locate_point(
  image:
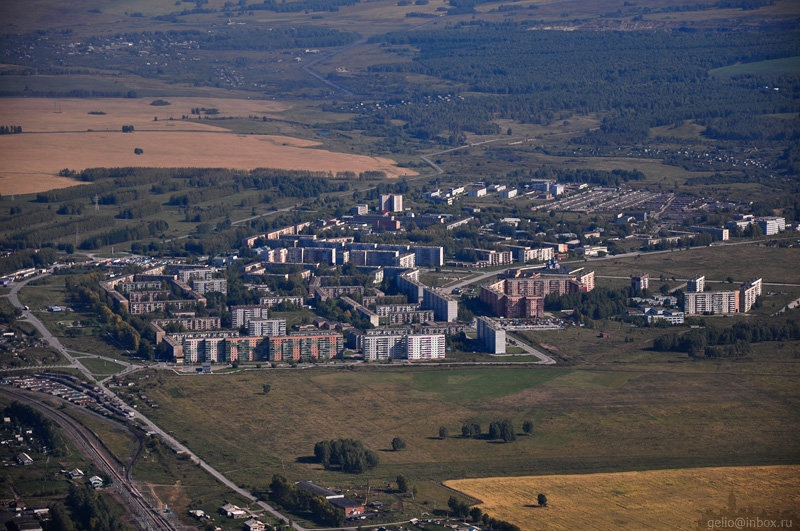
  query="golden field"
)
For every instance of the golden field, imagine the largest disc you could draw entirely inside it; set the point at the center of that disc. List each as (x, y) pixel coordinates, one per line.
(60, 133)
(691, 498)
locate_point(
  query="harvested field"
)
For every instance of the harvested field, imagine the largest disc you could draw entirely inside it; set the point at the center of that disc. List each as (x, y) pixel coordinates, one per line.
(686, 498)
(60, 134)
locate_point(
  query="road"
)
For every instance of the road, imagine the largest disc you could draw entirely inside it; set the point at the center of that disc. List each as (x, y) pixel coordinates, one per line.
(544, 359)
(54, 343)
(138, 416)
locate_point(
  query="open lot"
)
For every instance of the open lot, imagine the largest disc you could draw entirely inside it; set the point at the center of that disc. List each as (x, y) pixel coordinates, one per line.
(585, 420)
(653, 499)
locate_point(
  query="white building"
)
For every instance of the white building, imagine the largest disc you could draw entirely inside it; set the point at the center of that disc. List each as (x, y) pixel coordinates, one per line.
(771, 225)
(425, 347)
(391, 202)
(241, 315)
(384, 347)
(266, 327)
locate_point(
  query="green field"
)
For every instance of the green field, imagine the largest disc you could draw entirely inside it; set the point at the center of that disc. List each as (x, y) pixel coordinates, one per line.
(585, 419)
(788, 65)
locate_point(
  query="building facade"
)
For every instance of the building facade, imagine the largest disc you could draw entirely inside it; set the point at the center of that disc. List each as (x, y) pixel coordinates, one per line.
(425, 347)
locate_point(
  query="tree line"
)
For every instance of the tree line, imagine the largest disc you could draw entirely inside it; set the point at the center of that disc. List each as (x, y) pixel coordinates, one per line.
(733, 341)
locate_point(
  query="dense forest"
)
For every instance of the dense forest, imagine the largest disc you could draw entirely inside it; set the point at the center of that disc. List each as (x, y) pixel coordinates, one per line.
(646, 78)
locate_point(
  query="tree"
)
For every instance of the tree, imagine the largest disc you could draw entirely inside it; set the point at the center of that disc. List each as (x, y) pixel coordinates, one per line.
(398, 444)
(475, 514)
(527, 427)
(471, 429)
(266, 388)
(443, 432)
(542, 500)
(402, 483)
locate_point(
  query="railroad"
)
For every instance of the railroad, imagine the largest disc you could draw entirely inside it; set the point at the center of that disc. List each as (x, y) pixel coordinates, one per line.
(147, 517)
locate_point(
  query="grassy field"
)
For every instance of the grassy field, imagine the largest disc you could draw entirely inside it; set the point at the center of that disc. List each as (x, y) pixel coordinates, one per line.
(585, 420)
(653, 499)
(788, 65)
(772, 264)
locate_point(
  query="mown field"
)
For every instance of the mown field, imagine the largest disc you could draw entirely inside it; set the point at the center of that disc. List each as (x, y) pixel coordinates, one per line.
(654, 499)
(73, 134)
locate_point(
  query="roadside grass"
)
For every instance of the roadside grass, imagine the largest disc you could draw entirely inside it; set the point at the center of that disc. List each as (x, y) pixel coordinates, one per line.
(665, 499)
(100, 368)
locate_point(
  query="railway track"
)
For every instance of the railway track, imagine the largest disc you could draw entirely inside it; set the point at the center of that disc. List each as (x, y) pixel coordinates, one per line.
(147, 517)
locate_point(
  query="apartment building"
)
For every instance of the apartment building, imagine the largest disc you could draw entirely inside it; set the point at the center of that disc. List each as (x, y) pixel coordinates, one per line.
(219, 285)
(716, 302)
(266, 327)
(491, 336)
(391, 202)
(749, 292)
(425, 347)
(390, 344)
(241, 315)
(696, 284)
(304, 347)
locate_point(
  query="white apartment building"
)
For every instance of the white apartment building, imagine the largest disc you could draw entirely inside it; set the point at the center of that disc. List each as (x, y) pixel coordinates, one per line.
(266, 327)
(384, 347)
(425, 347)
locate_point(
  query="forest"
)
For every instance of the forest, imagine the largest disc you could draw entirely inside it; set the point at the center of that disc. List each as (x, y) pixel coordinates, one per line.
(646, 78)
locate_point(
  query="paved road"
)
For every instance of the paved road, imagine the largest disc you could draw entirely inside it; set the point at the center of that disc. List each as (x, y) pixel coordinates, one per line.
(138, 416)
(51, 340)
(544, 359)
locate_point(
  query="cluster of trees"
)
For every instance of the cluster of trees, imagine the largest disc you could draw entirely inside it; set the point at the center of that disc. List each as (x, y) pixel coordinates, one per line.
(10, 129)
(303, 503)
(26, 259)
(301, 5)
(125, 234)
(500, 429)
(581, 72)
(43, 429)
(733, 341)
(124, 329)
(85, 509)
(347, 455)
(600, 303)
(275, 38)
(462, 510)
(127, 129)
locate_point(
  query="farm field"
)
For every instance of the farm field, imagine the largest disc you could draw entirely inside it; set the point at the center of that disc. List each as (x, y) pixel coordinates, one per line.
(653, 499)
(62, 134)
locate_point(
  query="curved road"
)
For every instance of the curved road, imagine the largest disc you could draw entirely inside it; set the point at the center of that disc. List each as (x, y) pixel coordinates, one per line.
(143, 420)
